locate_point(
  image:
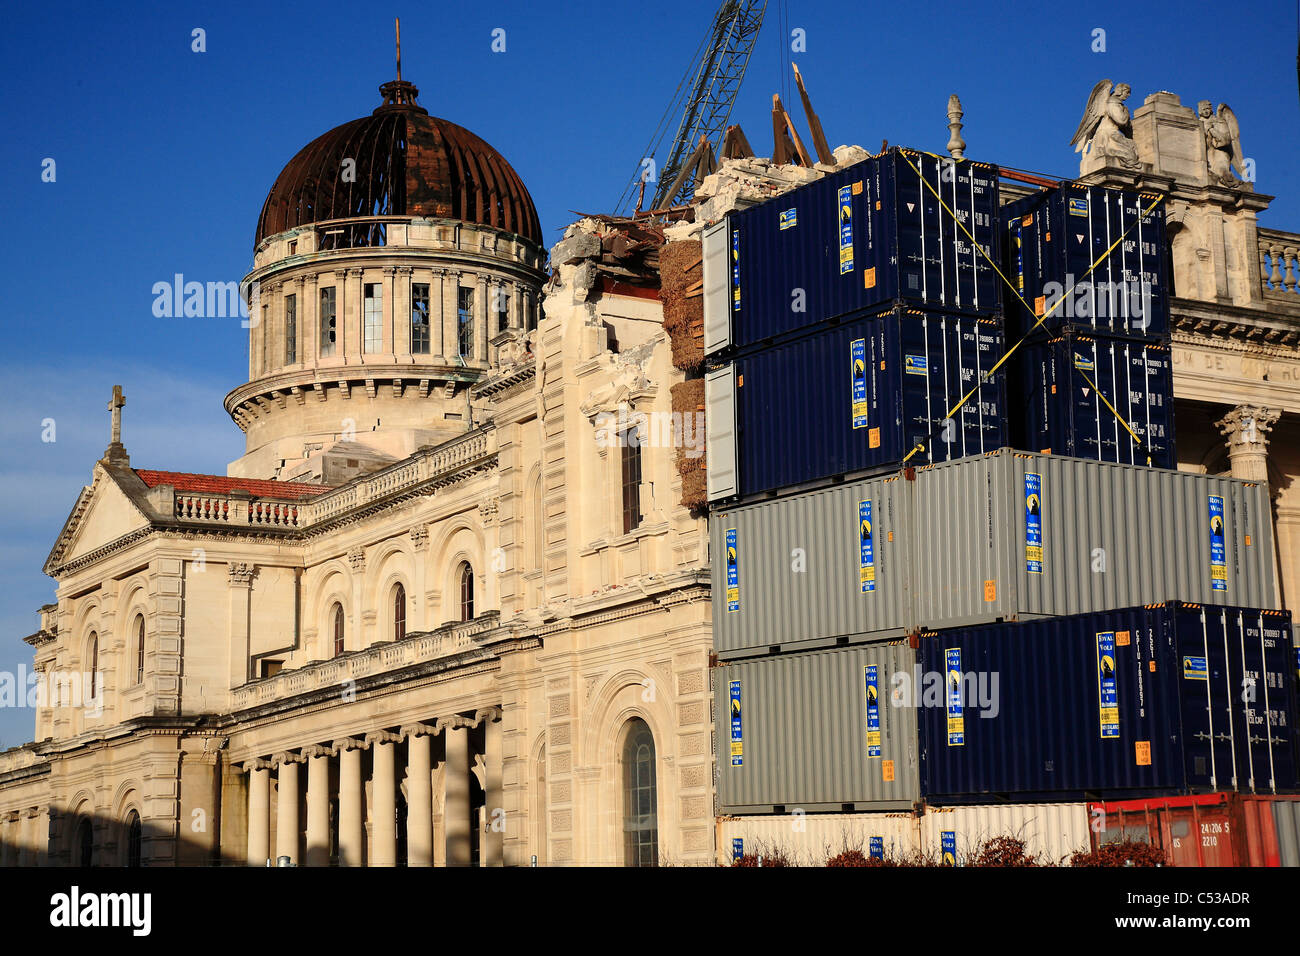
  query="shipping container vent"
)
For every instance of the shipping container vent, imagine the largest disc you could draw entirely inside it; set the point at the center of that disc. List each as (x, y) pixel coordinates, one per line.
(1200, 766)
(841, 641)
(774, 648)
(846, 807)
(780, 808)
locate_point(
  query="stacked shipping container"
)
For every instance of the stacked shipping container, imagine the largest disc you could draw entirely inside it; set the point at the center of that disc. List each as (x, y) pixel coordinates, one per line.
(1091, 263)
(843, 322)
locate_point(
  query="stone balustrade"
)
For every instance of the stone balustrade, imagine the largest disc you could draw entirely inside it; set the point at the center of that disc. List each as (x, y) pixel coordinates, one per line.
(1278, 268)
(430, 466)
(419, 648)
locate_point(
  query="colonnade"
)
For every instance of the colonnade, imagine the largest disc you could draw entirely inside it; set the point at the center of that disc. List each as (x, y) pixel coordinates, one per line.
(366, 829)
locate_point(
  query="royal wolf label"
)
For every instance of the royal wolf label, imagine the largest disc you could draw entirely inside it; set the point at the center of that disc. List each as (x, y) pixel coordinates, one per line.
(1034, 523)
(735, 270)
(948, 847)
(953, 688)
(867, 557)
(872, 690)
(733, 573)
(737, 727)
(1107, 692)
(846, 229)
(858, 373)
(788, 219)
(1218, 554)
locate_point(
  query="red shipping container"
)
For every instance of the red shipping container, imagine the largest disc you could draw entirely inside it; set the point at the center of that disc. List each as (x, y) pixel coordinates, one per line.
(1214, 829)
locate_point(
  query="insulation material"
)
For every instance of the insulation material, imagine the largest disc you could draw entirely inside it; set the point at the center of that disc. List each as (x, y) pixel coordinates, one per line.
(688, 403)
(680, 289)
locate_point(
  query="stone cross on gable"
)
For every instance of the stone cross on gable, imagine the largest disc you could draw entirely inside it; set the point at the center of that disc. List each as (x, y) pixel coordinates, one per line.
(115, 406)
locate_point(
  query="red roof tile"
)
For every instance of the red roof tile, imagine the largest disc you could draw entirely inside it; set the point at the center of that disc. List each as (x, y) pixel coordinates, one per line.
(220, 484)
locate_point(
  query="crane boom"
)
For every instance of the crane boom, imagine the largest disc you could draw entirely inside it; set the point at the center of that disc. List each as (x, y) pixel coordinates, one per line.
(712, 94)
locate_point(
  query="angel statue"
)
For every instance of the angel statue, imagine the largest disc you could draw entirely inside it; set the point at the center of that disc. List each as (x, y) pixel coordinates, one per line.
(1105, 130)
(1222, 143)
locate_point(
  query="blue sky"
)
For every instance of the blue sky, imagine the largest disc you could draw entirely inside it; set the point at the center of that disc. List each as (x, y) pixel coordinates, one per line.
(164, 157)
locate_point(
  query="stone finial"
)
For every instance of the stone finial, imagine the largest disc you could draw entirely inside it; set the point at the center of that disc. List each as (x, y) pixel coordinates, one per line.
(116, 452)
(956, 145)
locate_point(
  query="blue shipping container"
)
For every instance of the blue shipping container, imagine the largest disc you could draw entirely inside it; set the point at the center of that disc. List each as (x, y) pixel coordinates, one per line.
(861, 395)
(861, 237)
(1158, 699)
(1054, 236)
(1056, 399)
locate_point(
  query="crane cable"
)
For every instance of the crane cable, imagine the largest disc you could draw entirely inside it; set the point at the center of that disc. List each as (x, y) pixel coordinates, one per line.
(983, 378)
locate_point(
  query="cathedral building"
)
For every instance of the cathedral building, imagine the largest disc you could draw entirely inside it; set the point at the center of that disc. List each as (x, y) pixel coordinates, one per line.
(452, 605)
(427, 618)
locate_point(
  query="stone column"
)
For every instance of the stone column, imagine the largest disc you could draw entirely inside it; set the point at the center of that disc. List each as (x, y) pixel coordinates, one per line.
(340, 311)
(287, 824)
(1246, 429)
(241, 581)
(318, 805)
(357, 295)
(456, 791)
(402, 315)
(451, 315)
(419, 794)
(494, 806)
(351, 821)
(383, 843)
(9, 840)
(309, 321)
(438, 314)
(484, 309)
(259, 811)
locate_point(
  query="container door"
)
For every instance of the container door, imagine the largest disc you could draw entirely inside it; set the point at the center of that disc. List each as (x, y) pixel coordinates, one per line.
(1205, 693)
(717, 287)
(1266, 710)
(720, 433)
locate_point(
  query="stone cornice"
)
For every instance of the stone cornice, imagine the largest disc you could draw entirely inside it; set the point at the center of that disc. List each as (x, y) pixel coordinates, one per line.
(505, 381)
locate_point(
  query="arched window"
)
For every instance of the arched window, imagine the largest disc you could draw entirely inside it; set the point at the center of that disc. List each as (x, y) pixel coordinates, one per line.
(399, 612)
(466, 592)
(139, 649)
(337, 619)
(133, 838)
(85, 843)
(94, 665)
(640, 796)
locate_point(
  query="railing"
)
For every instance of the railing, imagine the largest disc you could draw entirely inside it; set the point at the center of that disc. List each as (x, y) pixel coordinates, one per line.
(447, 641)
(234, 511)
(1278, 269)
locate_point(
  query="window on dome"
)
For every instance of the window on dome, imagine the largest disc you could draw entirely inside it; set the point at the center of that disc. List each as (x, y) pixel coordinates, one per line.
(328, 321)
(420, 318)
(374, 317)
(465, 322)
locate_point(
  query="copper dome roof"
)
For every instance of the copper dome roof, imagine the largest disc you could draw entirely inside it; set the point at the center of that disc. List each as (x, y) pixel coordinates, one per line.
(408, 163)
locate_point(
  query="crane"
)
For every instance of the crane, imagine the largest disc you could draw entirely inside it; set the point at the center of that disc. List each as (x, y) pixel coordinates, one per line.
(717, 72)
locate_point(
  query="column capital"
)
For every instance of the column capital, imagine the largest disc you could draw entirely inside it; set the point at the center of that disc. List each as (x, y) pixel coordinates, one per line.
(299, 281)
(348, 743)
(487, 715)
(257, 763)
(1248, 424)
(418, 730)
(11, 816)
(404, 270)
(381, 737)
(287, 757)
(390, 270)
(355, 272)
(31, 813)
(455, 722)
(317, 750)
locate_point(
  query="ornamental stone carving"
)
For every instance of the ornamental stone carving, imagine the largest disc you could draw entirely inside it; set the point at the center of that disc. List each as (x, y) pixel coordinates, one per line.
(1105, 134)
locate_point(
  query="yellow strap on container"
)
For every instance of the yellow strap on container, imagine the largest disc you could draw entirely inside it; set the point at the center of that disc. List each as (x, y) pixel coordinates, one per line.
(960, 225)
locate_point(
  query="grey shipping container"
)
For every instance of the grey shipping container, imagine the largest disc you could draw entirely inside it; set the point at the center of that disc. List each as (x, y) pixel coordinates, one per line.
(816, 732)
(1005, 536)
